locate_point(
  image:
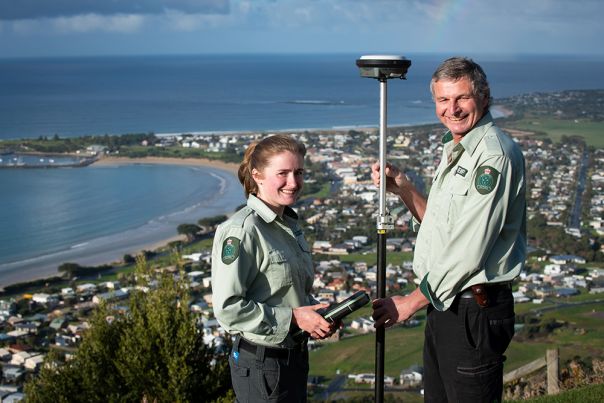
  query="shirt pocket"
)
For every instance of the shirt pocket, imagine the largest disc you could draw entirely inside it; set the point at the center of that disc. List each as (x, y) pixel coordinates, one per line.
(458, 195)
(279, 271)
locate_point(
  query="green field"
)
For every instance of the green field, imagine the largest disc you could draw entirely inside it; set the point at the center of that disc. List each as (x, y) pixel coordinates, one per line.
(581, 336)
(592, 132)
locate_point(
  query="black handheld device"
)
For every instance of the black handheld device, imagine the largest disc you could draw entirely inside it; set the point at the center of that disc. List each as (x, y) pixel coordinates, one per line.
(336, 312)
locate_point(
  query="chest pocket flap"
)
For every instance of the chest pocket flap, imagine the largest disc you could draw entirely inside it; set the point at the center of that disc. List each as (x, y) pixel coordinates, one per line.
(279, 271)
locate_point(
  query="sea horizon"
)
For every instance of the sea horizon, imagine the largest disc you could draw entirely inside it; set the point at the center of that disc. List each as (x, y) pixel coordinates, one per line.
(221, 94)
(115, 95)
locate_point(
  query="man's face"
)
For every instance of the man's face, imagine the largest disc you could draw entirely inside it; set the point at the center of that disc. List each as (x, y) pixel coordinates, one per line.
(457, 107)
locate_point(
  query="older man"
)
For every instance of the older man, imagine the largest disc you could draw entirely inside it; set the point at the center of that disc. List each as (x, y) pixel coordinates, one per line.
(470, 246)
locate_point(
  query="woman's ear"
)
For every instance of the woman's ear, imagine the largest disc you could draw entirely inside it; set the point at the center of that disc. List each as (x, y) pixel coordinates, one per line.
(256, 175)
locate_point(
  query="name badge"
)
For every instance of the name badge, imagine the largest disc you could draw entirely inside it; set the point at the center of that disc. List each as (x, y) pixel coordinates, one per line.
(461, 171)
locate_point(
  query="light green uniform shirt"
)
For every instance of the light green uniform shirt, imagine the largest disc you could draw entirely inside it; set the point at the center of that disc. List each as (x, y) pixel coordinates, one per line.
(261, 269)
(474, 227)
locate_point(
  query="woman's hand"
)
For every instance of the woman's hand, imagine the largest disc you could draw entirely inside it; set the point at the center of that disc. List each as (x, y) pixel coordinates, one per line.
(307, 319)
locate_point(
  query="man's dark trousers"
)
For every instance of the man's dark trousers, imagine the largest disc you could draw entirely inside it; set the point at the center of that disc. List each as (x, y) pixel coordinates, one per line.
(464, 347)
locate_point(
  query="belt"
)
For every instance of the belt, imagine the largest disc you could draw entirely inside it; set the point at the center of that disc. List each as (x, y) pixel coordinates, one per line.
(467, 293)
(271, 352)
(479, 291)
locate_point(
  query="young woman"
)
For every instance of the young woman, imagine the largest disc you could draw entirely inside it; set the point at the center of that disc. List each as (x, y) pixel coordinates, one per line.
(262, 276)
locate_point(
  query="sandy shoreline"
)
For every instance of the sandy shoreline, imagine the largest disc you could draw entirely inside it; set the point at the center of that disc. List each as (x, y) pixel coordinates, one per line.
(204, 162)
(110, 249)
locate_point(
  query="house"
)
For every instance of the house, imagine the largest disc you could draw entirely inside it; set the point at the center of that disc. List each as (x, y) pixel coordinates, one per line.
(195, 275)
(363, 239)
(411, 379)
(13, 397)
(45, 299)
(29, 327)
(7, 307)
(111, 296)
(67, 291)
(326, 295)
(34, 362)
(20, 357)
(565, 259)
(370, 379)
(17, 334)
(5, 355)
(321, 246)
(58, 323)
(86, 289)
(195, 257)
(363, 378)
(12, 373)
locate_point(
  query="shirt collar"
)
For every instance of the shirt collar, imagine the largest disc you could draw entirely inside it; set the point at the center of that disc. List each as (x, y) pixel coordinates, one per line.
(265, 211)
(471, 140)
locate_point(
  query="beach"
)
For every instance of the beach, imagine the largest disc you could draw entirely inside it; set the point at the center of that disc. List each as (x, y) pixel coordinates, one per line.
(110, 249)
(202, 162)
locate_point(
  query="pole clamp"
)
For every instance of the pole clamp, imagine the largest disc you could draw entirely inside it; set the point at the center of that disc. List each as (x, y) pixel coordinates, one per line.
(385, 222)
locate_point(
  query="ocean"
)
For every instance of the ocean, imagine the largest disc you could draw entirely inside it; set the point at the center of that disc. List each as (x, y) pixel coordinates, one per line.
(173, 94)
(95, 215)
(55, 215)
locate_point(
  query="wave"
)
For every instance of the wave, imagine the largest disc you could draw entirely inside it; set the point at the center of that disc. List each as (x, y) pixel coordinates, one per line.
(314, 102)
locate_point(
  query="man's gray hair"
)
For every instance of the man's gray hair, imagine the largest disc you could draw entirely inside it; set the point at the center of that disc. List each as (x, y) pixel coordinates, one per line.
(455, 68)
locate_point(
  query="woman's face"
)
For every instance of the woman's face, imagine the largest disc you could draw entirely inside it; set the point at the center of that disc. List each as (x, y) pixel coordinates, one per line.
(281, 181)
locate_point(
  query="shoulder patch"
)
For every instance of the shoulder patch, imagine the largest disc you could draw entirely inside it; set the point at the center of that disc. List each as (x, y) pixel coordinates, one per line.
(230, 250)
(486, 179)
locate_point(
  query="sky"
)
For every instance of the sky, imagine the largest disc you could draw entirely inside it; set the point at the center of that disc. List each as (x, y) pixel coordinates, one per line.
(51, 28)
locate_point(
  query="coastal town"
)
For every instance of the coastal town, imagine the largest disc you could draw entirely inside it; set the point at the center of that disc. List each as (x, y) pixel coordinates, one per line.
(565, 199)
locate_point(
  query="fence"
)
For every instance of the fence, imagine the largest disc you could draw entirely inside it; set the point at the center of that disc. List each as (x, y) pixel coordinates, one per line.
(551, 361)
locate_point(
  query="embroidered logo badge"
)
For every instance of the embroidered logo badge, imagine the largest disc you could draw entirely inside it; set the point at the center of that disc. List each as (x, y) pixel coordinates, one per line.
(486, 179)
(461, 171)
(230, 250)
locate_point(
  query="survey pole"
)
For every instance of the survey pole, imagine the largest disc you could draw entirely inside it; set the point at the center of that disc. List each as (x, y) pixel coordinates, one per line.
(382, 68)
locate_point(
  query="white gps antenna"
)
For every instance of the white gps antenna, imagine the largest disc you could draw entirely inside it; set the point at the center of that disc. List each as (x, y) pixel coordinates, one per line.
(382, 68)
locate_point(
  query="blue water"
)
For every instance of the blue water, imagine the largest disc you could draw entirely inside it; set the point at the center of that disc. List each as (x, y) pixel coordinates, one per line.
(116, 95)
(52, 216)
(49, 216)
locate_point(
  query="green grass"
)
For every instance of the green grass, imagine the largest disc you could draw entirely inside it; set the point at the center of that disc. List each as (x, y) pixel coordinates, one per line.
(592, 132)
(404, 345)
(585, 394)
(321, 194)
(357, 354)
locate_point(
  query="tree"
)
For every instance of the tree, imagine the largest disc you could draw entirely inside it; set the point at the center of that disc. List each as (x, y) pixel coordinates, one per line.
(154, 353)
(70, 269)
(212, 221)
(189, 230)
(128, 259)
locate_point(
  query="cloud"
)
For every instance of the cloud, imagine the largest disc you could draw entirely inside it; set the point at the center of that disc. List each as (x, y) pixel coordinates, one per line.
(94, 22)
(34, 9)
